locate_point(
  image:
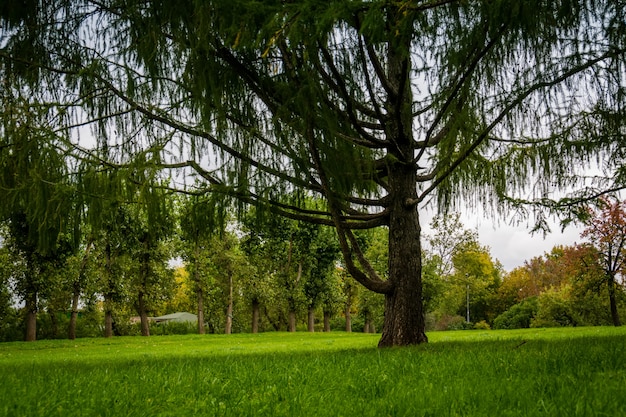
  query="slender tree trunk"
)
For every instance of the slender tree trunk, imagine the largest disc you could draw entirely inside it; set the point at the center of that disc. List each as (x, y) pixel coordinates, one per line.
(348, 318)
(311, 320)
(31, 317)
(76, 289)
(199, 294)
(327, 321)
(613, 302)
(292, 321)
(144, 273)
(54, 324)
(143, 314)
(71, 332)
(199, 290)
(201, 327)
(229, 308)
(255, 315)
(108, 296)
(108, 314)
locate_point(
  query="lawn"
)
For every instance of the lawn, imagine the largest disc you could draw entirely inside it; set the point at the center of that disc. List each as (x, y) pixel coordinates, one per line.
(544, 372)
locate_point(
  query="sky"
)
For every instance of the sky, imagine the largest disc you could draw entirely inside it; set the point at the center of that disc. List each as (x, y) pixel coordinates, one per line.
(512, 245)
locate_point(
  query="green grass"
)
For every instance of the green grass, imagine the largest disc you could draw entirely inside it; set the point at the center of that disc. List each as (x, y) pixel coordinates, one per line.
(543, 372)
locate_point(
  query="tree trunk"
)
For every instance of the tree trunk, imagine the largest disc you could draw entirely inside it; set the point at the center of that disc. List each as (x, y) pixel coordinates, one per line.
(201, 327)
(199, 291)
(348, 319)
(54, 324)
(143, 314)
(404, 322)
(311, 320)
(108, 315)
(229, 308)
(31, 317)
(71, 332)
(255, 316)
(614, 312)
(327, 321)
(292, 321)
(108, 296)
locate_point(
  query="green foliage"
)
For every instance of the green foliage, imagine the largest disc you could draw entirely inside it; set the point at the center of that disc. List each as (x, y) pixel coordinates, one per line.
(482, 325)
(518, 316)
(556, 308)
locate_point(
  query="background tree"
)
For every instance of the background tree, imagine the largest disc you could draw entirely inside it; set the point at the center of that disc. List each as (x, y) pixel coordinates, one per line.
(38, 198)
(449, 235)
(151, 226)
(199, 222)
(606, 228)
(374, 107)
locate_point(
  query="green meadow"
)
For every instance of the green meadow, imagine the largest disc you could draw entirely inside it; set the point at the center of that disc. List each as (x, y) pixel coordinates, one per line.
(531, 372)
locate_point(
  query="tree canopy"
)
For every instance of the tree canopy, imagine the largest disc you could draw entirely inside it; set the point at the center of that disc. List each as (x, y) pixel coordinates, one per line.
(375, 107)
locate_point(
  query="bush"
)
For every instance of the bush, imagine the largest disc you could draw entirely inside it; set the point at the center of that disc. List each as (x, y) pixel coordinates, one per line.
(518, 316)
(556, 309)
(448, 322)
(171, 327)
(482, 325)
(12, 326)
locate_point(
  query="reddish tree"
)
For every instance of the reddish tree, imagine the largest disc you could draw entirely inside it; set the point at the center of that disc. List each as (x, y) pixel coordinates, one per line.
(606, 229)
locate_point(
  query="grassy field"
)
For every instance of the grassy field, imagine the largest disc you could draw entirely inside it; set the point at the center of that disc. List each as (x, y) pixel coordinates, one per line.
(544, 372)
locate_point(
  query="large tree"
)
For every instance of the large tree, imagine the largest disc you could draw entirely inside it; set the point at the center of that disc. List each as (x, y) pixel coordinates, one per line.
(376, 107)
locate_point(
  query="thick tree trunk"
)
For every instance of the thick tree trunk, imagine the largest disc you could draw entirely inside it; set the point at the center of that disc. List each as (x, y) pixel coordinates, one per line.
(229, 308)
(31, 317)
(255, 315)
(311, 320)
(404, 322)
(613, 302)
(143, 314)
(327, 321)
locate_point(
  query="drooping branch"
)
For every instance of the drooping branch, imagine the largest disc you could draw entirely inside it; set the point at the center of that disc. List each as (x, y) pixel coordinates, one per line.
(512, 104)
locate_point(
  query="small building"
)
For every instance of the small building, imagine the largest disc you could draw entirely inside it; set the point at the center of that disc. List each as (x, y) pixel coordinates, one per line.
(181, 317)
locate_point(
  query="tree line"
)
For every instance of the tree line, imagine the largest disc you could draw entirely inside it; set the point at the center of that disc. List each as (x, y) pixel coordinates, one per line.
(268, 273)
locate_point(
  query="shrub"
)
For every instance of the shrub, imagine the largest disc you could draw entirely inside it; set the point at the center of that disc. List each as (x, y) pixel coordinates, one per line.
(518, 316)
(12, 325)
(556, 308)
(482, 325)
(169, 328)
(448, 322)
